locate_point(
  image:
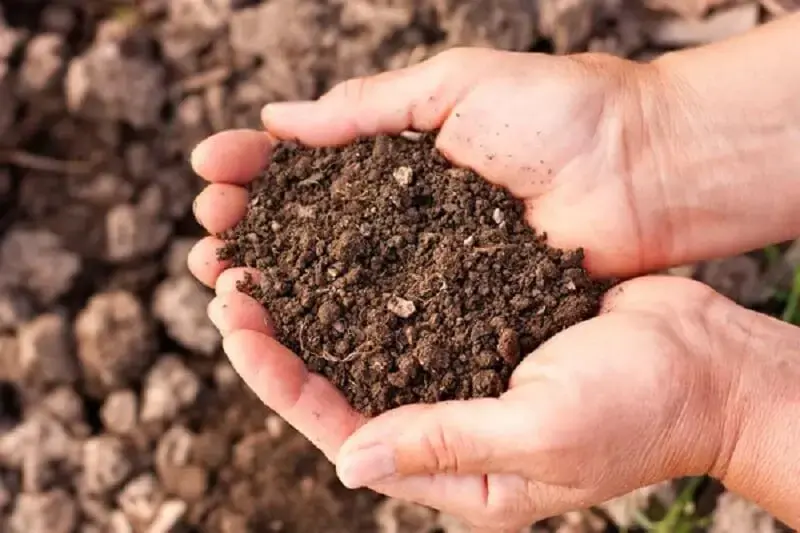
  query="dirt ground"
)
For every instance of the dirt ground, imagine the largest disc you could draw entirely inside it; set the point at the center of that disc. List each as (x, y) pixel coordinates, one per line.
(118, 411)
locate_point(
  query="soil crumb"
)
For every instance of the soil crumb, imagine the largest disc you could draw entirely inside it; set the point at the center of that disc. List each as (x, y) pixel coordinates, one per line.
(399, 277)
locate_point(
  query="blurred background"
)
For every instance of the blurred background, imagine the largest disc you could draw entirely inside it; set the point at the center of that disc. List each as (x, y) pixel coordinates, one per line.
(118, 411)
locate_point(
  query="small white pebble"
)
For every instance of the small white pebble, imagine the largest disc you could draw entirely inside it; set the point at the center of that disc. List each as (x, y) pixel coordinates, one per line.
(401, 307)
(403, 176)
(498, 216)
(274, 226)
(411, 135)
(469, 241)
(275, 426)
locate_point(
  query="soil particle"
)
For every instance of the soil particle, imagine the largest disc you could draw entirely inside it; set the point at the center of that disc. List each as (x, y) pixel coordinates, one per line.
(9, 359)
(734, 514)
(119, 412)
(170, 387)
(40, 438)
(43, 65)
(104, 83)
(66, 406)
(375, 288)
(140, 499)
(134, 231)
(50, 512)
(397, 516)
(180, 303)
(37, 260)
(177, 256)
(105, 464)
(45, 352)
(115, 340)
(15, 308)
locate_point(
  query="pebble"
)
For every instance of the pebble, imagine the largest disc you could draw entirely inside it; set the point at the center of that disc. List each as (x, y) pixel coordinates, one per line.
(115, 339)
(119, 412)
(170, 387)
(37, 260)
(180, 303)
(49, 512)
(105, 464)
(141, 499)
(43, 65)
(45, 353)
(401, 307)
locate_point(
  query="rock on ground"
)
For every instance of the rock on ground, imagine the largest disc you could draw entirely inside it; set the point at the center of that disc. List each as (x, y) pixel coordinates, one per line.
(15, 308)
(106, 84)
(120, 412)
(397, 516)
(105, 464)
(136, 230)
(49, 512)
(736, 515)
(45, 353)
(170, 387)
(141, 499)
(115, 339)
(180, 303)
(37, 260)
(43, 64)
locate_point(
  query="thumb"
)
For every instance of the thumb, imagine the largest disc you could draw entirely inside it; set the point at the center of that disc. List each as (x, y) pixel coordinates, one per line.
(458, 437)
(419, 97)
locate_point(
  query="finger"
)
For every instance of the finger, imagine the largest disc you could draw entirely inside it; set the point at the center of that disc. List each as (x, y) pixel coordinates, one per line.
(234, 311)
(229, 280)
(203, 262)
(234, 156)
(418, 97)
(458, 437)
(220, 206)
(307, 401)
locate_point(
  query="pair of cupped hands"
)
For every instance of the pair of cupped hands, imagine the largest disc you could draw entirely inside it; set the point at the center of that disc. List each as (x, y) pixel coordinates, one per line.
(658, 386)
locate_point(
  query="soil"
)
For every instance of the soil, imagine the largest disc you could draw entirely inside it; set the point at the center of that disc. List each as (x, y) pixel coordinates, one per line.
(401, 278)
(118, 410)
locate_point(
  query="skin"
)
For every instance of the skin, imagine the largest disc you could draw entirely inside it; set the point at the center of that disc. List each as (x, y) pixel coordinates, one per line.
(644, 166)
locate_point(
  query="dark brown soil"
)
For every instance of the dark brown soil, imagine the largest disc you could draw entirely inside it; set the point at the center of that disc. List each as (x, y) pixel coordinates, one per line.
(401, 278)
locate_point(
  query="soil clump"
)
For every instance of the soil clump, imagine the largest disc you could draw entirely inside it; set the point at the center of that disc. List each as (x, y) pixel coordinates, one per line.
(401, 278)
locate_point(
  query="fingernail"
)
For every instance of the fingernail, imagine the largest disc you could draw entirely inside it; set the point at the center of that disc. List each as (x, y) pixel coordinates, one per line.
(215, 314)
(366, 466)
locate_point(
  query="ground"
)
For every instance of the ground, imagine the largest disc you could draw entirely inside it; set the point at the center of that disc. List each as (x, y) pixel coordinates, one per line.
(118, 411)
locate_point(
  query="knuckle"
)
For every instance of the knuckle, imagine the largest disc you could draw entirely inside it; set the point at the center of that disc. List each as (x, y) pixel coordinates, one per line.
(439, 450)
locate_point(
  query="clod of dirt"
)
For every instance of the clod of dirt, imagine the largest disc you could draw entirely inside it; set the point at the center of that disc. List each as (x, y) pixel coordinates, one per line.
(734, 514)
(140, 500)
(39, 439)
(505, 24)
(66, 406)
(372, 281)
(180, 303)
(169, 515)
(134, 231)
(120, 412)
(170, 387)
(37, 260)
(104, 83)
(43, 65)
(49, 512)
(115, 340)
(9, 358)
(45, 353)
(15, 308)
(397, 516)
(105, 464)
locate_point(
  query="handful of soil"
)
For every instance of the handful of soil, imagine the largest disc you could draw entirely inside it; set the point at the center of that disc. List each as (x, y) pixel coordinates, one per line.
(399, 277)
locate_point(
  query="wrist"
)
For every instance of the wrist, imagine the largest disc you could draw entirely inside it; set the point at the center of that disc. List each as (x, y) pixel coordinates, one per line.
(758, 456)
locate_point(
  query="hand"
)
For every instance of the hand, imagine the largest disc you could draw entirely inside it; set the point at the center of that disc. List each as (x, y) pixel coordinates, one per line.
(659, 366)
